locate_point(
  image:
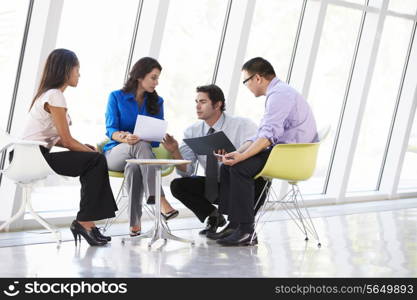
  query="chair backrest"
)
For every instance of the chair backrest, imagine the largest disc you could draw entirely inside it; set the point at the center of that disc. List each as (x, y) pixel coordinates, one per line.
(162, 153)
(5, 140)
(324, 132)
(293, 162)
(28, 163)
(412, 148)
(101, 145)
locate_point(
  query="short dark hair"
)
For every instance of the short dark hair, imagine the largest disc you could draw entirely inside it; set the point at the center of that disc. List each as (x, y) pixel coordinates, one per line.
(261, 66)
(214, 93)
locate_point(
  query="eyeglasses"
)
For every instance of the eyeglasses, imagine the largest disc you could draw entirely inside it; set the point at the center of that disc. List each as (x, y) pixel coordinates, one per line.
(247, 79)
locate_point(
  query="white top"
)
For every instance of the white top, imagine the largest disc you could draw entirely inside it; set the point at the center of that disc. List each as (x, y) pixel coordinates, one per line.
(40, 125)
(237, 129)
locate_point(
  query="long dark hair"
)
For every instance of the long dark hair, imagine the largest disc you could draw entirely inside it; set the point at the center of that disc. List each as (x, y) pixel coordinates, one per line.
(57, 71)
(142, 67)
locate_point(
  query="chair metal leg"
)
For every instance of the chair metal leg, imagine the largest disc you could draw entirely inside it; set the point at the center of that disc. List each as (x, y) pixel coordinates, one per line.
(51, 228)
(262, 209)
(26, 202)
(17, 215)
(291, 204)
(309, 222)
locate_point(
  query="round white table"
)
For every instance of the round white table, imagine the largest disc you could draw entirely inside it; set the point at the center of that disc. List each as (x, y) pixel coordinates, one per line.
(159, 230)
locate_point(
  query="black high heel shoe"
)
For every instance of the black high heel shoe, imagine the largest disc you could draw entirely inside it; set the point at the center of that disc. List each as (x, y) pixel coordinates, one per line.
(89, 235)
(99, 235)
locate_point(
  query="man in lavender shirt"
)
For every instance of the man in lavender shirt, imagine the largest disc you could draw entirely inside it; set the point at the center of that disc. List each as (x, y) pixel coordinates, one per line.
(287, 119)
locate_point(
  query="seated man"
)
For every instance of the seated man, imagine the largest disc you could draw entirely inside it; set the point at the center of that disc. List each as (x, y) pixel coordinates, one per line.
(287, 119)
(199, 193)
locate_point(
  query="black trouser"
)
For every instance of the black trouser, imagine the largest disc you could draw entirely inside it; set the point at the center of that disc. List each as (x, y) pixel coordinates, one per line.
(190, 191)
(97, 201)
(237, 188)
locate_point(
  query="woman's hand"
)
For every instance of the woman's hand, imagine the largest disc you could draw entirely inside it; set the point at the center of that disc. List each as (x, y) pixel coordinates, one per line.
(122, 134)
(132, 139)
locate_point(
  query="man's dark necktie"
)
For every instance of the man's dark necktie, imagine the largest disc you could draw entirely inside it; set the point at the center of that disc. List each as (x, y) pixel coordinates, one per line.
(211, 187)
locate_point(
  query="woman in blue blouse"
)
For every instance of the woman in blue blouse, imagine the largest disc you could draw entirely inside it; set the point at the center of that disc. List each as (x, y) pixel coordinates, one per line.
(138, 96)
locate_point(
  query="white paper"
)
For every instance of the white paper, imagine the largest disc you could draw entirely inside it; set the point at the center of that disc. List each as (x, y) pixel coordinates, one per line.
(150, 129)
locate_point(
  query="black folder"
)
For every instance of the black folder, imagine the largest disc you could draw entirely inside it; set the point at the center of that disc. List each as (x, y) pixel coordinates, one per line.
(207, 144)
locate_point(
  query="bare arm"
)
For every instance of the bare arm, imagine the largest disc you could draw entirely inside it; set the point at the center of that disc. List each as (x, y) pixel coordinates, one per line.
(254, 148)
(59, 117)
(244, 146)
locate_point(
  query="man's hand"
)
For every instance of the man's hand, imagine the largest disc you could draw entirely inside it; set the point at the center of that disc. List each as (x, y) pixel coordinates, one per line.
(170, 143)
(91, 147)
(233, 158)
(132, 139)
(219, 154)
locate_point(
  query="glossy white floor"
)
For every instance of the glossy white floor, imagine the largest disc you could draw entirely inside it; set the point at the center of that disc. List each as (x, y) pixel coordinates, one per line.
(375, 239)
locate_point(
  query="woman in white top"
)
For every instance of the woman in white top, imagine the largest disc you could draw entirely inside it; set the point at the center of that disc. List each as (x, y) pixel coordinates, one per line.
(49, 122)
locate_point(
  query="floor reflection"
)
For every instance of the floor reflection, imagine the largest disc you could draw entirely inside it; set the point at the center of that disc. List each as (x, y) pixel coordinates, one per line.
(374, 244)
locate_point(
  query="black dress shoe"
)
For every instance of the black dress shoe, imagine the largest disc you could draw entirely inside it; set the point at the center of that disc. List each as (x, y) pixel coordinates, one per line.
(99, 235)
(212, 224)
(221, 234)
(239, 238)
(150, 200)
(78, 230)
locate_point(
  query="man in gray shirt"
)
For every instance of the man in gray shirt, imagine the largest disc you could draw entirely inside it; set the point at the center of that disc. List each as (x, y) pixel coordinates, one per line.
(199, 193)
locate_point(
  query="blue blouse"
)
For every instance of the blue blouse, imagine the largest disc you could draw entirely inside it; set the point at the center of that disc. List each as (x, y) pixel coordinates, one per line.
(121, 114)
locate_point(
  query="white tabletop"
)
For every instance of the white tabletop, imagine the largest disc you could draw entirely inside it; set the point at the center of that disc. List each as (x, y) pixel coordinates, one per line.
(164, 162)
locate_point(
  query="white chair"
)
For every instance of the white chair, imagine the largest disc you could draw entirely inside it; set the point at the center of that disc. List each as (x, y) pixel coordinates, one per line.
(27, 168)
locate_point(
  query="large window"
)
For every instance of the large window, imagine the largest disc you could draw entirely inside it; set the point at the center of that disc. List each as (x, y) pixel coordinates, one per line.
(12, 25)
(403, 6)
(188, 55)
(329, 81)
(311, 43)
(272, 39)
(408, 179)
(101, 42)
(380, 104)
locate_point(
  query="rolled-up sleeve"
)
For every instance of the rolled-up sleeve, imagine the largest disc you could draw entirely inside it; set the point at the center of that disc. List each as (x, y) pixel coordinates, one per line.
(187, 154)
(277, 110)
(112, 116)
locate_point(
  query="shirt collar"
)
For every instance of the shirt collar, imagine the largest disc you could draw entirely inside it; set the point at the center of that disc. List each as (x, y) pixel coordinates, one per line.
(272, 84)
(217, 126)
(131, 96)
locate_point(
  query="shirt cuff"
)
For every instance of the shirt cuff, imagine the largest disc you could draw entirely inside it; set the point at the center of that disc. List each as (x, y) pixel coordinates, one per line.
(110, 132)
(267, 133)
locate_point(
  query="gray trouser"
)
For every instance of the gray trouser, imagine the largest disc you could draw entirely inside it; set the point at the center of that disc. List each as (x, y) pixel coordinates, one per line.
(139, 179)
